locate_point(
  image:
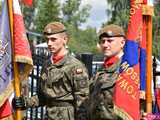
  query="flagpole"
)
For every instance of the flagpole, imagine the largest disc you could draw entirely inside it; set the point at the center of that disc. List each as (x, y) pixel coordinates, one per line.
(15, 67)
(149, 65)
(147, 15)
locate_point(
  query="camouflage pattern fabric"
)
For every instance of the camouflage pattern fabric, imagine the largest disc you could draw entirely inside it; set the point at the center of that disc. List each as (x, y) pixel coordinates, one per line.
(101, 93)
(64, 89)
(25, 92)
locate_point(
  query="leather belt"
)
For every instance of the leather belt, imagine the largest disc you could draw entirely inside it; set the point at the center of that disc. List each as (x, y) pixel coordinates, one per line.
(59, 103)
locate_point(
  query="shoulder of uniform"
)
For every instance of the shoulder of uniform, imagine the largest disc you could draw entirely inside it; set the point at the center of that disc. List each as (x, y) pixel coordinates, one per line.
(75, 65)
(74, 61)
(46, 63)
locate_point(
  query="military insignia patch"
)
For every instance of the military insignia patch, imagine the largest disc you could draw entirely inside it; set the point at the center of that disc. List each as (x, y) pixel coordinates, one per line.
(110, 33)
(79, 71)
(82, 83)
(49, 30)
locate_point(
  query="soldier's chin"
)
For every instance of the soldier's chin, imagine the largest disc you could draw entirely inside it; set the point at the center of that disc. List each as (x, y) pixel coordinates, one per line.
(107, 55)
(52, 51)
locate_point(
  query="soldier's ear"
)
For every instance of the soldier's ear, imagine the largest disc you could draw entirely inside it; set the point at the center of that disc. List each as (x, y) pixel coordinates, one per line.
(64, 39)
(99, 47)
(123, 43)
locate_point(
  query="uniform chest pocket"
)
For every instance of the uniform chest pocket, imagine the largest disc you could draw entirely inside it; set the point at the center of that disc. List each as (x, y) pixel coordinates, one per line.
(55, 75)
(56, 83)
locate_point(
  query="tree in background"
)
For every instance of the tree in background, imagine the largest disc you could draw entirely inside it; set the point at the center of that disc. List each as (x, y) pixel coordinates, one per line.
(29, 14)
(0, 7)
(83, 40)
(156, 29)
(74, 13)
(47, 11)
(119, 12)
(71, 13)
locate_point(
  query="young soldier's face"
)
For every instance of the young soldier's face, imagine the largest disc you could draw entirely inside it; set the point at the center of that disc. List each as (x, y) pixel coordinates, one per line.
(56, 43)
(112, 46)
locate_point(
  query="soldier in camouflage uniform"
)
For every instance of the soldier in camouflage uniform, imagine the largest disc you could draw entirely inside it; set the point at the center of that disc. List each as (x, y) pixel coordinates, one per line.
(64, 85)
(111, 43)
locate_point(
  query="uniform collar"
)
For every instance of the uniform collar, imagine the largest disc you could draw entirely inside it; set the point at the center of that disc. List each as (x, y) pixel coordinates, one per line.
(56, 59)
(61, 60)
(108, 62)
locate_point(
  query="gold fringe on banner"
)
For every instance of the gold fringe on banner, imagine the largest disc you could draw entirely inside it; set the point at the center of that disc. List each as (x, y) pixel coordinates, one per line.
(148, 10)
(138, 1)
(23, 73)
(121, 113)
(23, 59)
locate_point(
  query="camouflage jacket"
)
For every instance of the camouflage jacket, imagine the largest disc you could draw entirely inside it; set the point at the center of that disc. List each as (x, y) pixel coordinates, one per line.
(101, 93)
(62, 84)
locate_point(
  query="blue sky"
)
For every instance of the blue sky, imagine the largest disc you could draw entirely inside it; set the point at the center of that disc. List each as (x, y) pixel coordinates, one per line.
(97, 13)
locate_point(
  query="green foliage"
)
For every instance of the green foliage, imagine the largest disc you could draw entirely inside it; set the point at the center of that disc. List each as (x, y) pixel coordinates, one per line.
(156, 30)
(119, 12)
(74, 14)
(47, 11)
(83, 40)
(71, 13)
(29, 15)
(0, 6)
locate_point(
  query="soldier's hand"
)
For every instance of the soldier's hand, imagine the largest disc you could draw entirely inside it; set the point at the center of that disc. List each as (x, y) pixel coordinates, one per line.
(18, 103)
(82, 114)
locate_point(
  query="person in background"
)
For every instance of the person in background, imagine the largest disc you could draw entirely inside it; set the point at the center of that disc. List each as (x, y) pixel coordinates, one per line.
(64, 82)
(111, 43)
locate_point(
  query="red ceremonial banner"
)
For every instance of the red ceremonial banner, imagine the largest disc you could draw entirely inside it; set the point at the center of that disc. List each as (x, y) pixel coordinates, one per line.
(22, 52)
(27, 2)
(5, 109)
(126, 98)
